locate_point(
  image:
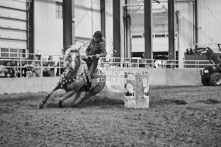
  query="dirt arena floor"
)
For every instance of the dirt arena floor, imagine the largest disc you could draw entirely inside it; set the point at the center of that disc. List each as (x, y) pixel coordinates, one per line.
(178, 116)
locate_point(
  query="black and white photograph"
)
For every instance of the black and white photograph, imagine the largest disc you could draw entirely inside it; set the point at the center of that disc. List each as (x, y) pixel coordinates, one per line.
(110, 73)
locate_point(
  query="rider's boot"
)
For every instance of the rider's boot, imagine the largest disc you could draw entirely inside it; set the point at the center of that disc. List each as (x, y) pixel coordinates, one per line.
(89, 85)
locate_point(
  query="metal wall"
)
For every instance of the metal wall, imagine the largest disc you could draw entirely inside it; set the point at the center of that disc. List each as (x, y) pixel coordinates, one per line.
(13, 28)
(185, 28)
(109, 26)
(48, 30)
(165, 77)
(87, 18)
(209, 21)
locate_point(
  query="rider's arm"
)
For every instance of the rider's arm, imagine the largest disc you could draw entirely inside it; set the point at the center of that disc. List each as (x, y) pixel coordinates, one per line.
(103, 50)
(88, 49)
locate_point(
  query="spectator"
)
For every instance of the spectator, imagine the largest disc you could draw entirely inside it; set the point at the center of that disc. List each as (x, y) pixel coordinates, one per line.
(2, 69)
(191, 51)
(142, 61)
(23, 69)
(51, 64)
(36, 71)
(29, 69)
(9, 72)
(187, 52)
(45, 69)
(60, 67)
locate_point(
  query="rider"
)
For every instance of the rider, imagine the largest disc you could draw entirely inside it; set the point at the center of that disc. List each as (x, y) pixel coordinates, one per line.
(94, 51)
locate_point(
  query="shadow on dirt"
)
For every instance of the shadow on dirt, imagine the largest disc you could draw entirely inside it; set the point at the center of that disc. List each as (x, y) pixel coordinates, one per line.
(21, 97)
(169, 102)
(89, 103)
(5, 111)
(102, 101)
(209, 101)
(110, 102)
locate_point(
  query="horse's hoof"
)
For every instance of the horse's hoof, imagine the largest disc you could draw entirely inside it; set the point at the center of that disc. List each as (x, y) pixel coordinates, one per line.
(60, 104)
(40, 106)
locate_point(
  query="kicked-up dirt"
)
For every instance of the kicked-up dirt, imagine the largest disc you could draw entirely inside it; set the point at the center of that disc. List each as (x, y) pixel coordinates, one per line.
(177, 116)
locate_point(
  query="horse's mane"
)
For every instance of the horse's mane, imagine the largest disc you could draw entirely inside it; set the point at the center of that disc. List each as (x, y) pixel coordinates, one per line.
(74, 48)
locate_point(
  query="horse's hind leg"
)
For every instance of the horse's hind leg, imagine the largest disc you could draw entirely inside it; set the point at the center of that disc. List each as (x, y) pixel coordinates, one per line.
(76, 97)
(90, 93)
(69, 94)
(44, 101)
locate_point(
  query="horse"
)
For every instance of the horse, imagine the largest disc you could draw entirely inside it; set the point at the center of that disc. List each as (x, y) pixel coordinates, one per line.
(76, 80)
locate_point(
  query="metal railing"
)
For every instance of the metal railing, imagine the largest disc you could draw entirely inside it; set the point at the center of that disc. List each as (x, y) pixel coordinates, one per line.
(30, 68)
(44, 68)
(147, 63)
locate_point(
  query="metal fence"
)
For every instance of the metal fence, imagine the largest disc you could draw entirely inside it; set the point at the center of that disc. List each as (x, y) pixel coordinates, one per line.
(146, 63)
(43, 68)
(30, 68)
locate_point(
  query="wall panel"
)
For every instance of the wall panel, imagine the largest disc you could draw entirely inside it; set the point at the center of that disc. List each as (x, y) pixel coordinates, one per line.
(209, 21)
(48, 30)
(21, 4)
(88, 18)
(109, 26)
(13, 25)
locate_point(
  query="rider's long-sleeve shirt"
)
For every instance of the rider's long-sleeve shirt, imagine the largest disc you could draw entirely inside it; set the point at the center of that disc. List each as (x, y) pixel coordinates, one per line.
(96, 48)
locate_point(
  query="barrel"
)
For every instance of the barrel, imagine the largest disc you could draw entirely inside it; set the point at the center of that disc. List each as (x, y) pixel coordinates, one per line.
(136, 93)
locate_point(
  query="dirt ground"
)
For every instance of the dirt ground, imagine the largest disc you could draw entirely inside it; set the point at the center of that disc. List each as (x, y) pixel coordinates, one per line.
(178, 116)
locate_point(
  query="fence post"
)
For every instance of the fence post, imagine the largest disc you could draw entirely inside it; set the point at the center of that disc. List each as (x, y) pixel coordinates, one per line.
(20, 65)
(41, 68)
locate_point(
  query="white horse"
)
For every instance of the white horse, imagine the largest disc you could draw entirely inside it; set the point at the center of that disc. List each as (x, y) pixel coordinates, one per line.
(75, 78)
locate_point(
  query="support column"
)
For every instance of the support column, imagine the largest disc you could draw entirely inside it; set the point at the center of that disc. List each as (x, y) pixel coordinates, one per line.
(68, 22)
(127, 33)
(148, 53)
(102, 11)
(171, 29)
(116, 28)
(196, 22)
(30, 34)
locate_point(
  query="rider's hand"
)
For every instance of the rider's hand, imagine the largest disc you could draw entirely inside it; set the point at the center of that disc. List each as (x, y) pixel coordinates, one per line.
(98, 55)
(84, 57)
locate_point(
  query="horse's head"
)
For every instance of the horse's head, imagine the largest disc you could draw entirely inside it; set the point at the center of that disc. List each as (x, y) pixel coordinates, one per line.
(72, 57)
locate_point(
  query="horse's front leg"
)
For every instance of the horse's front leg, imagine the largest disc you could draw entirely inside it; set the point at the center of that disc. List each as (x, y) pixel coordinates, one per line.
(69, 94)
(44, 101)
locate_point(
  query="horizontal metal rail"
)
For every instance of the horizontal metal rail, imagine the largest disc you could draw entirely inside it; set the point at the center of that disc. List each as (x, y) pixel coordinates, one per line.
(13, 29)
(15, 19)
(20, 67)
(11, 8)
(14, 39)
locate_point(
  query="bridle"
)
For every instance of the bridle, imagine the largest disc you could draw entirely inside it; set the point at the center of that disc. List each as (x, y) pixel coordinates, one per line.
(70, 59)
